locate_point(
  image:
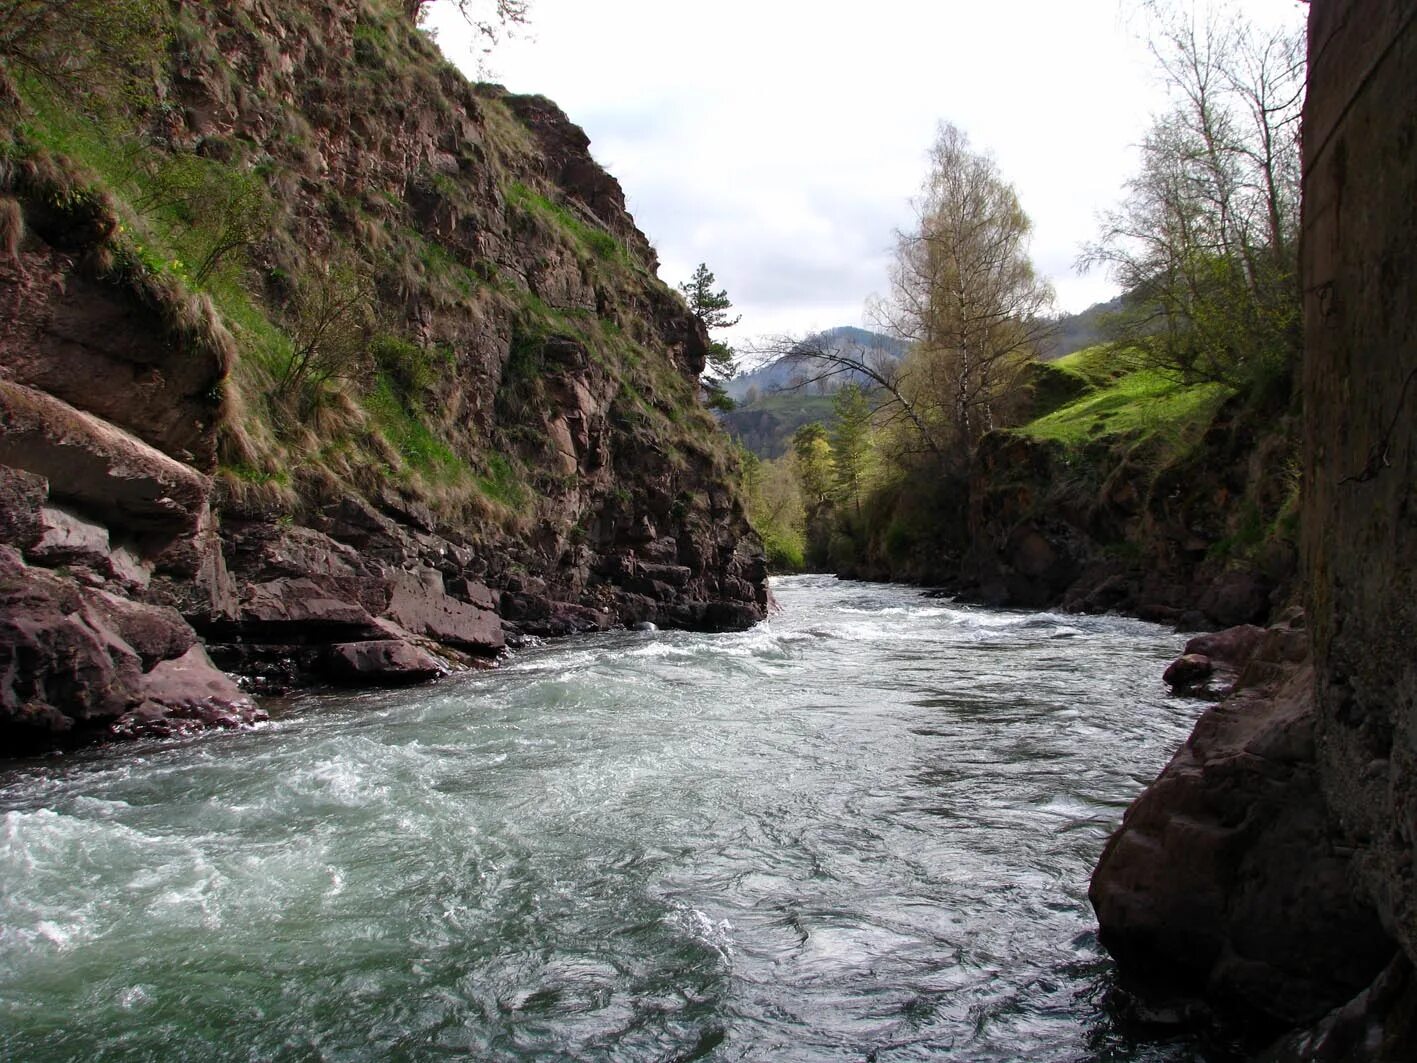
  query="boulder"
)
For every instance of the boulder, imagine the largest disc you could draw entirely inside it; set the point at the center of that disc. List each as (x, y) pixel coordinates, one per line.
(191, 689)
(61, 663)
(300, 610)
(1379, 1025)
(1224, 883)
(67, 539)
(1188, 670)
(417, 601)
(156, 633)
(566, 618)
(78, 664)
(384, 661)
(472, 592)
(1233, 647)
(104, 470)
(1237, 597)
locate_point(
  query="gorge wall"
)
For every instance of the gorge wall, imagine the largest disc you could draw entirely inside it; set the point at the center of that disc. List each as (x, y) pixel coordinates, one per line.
(320, 363)
(1270, 868)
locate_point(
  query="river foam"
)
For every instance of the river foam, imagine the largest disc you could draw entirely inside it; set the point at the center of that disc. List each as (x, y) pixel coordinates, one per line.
(863, 827)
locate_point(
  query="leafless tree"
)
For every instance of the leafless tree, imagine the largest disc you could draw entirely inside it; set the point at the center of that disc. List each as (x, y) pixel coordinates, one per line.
(489, 19)
(1206, 237)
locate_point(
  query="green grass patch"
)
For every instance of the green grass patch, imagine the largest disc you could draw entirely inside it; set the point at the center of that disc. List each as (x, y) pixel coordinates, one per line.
(251, 474)
(1101, 365)
(502, 483)
(1139, 404)
(420, 449)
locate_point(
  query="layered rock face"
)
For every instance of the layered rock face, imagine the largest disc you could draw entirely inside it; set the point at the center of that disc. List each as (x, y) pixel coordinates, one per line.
(1110, 533)
(1270, 867)
(531, 460)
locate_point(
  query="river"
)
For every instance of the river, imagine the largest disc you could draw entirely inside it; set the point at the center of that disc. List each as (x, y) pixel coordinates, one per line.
(862, 830)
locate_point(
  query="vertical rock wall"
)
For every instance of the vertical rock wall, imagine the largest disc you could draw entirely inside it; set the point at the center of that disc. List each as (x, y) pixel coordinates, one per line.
(1359, 264)
(1269, 868)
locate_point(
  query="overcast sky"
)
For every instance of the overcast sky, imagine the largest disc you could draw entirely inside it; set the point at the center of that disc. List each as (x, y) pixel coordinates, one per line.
(782, 141)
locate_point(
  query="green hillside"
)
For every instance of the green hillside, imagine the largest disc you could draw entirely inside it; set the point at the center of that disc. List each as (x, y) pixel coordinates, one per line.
(766, 425)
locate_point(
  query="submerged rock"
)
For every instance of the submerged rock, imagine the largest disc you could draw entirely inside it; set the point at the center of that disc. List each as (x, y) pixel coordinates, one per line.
(1188, 671)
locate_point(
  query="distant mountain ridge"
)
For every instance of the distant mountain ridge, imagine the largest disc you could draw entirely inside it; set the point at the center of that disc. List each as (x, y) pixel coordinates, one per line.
(778, 374)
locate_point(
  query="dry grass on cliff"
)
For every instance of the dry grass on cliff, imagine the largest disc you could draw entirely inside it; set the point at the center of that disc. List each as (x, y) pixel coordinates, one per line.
(364, 431)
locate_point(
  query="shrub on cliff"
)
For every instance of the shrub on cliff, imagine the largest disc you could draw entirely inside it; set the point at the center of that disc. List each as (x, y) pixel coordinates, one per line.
(93, 50)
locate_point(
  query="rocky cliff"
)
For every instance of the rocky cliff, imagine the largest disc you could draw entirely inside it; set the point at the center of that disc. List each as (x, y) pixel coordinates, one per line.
(1269, 869)
(1195, 538)
(1187, 521)
(319, 362)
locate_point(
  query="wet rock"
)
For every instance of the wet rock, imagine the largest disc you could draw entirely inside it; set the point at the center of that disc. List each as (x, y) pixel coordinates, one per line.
(386, 661)
(61, 664)
(1224, 883)
(1188, 670)
(192, 689)
(1233, 647)
(1379, 1025)
(78, 664)
(566, 618)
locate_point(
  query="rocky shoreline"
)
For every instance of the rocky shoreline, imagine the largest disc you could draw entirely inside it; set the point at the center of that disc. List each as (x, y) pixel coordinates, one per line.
(1267, 875)
(122, 598)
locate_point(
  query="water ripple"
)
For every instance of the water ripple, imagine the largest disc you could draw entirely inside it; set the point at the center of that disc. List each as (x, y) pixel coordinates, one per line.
(861, 830)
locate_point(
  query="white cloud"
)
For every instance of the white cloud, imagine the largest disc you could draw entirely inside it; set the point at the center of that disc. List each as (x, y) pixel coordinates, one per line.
(780, 141)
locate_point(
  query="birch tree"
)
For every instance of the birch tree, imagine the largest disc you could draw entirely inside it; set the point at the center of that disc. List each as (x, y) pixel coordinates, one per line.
(1206, 238)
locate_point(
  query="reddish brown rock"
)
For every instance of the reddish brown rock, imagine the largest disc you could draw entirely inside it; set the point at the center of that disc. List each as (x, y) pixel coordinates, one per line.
(386, 661)
(1225, 883)
(416, 601)
(110, 473)
(190, 687)
(1233, 647)
(68, 539)
(78, 664)
(301, 610)
(156, 633)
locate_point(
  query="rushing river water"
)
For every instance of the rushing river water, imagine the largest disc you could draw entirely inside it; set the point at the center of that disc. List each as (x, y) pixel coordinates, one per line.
(860, 831)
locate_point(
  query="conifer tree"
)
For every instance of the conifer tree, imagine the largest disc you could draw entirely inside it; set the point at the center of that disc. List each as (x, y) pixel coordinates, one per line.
(851, 443)
(711, 307)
